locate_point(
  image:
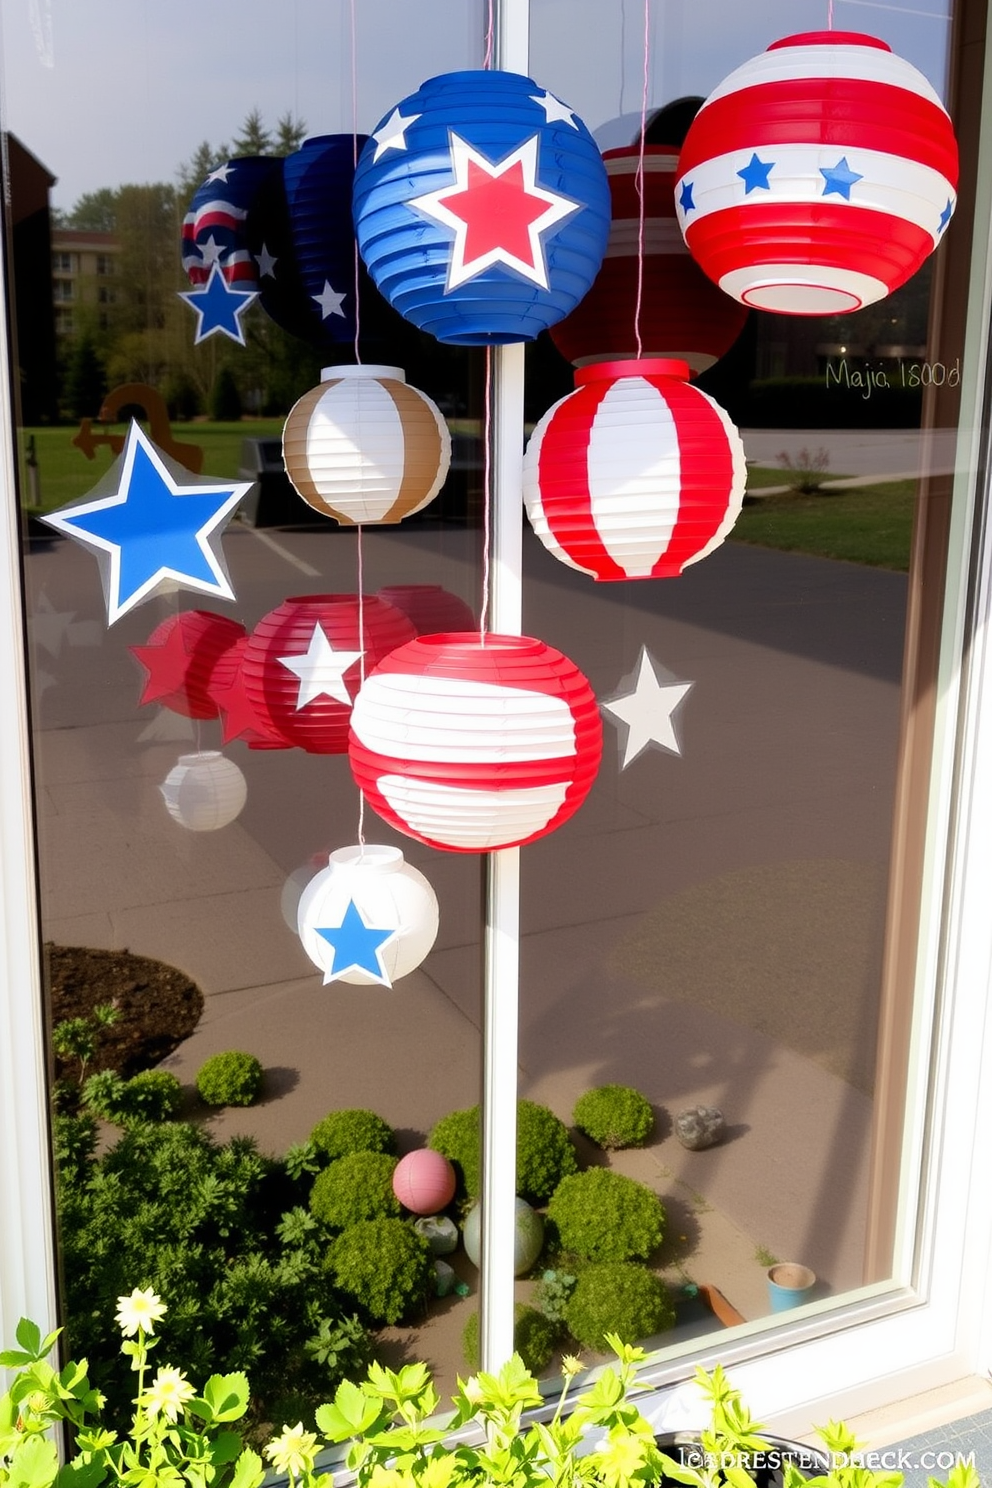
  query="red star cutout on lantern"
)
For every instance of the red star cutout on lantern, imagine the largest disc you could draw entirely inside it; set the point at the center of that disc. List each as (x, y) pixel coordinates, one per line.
(497, 211)
(178, 658)
(238, 718)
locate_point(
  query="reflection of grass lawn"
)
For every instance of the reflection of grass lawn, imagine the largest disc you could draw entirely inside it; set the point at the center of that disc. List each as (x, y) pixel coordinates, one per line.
(870, 524)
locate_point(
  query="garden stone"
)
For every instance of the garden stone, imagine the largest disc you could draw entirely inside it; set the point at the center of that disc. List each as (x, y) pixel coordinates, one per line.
(440, 1232)
(445, 1278)
(699, 1127)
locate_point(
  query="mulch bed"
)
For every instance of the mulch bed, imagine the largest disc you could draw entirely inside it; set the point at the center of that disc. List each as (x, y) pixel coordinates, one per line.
(158, 1006)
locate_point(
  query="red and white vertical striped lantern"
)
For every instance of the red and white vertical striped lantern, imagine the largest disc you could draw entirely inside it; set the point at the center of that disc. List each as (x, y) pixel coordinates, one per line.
(681, 314)
(471, 743)
(636, 474)
(818, 176)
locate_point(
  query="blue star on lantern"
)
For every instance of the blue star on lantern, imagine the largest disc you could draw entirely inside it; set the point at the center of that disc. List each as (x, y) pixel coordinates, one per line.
(153, 531)
(945, 216)
(356, 946)
(755, 174)
(839, 178)
(218, 307)
(685, 199)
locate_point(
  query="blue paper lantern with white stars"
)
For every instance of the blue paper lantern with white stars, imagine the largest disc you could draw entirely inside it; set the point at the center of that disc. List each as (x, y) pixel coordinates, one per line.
(215, 228)
(817, 177)
(368, 918)
(482, 208)
(152, 527)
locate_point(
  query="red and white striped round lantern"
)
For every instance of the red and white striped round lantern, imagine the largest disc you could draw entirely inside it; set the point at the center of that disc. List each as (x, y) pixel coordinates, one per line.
(429, 607)
(179, 657)
(636, 474)
(471, 743)
(237, 716)
(682, 315)
(818, 177)
(303, 664)
(366, 447)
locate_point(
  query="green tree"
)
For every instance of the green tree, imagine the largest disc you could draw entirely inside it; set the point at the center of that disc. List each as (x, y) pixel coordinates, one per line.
(254, 138)
(85, 380)
(225, 400)
(194, 171)
(95, 211)
(290, 134)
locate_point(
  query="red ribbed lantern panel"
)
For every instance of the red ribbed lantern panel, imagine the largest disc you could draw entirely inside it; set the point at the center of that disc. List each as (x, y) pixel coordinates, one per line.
(238, 718)
(179, 657)
(471, 746)
(429, 607)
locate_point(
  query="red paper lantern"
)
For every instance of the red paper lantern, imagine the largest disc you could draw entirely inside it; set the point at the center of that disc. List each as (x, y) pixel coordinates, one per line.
(179, 657)
(682, 315)
(238, 718)
(424, 1181)
(302, 665)
(636, 474)
(471, 743)
(429, 607)
(817, 177)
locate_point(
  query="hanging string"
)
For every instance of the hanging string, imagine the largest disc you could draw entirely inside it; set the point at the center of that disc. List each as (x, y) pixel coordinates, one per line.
(487, 60)
(354, 157)
(487, 421)
(639, 178)
(359, 551)
(361, 674)
(830, 15)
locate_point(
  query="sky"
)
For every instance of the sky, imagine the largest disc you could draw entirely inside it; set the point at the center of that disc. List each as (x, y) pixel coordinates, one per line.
(111, 91)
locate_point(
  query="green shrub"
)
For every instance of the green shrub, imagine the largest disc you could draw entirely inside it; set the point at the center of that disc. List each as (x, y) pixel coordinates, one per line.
(534, 1338)
(545, 1154)
(73, 1145)
(385, 1266)
(229, 1079)
(103, 1094)
(603, 1216)
(359, 1186)
(151, 1095)
(342, 1132)
(552, 1293)
(617, 1297)
(614, 1116)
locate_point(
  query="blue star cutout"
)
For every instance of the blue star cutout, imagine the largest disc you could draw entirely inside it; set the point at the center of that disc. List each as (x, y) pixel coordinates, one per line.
(218, 307)
(945, 216)
(685, 199)
(153, 531)
(356, 946)
(839, 178)
(755, 174)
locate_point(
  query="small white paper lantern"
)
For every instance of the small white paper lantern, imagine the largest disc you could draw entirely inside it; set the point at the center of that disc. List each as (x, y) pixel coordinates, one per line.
(368, 917)
(204, 791)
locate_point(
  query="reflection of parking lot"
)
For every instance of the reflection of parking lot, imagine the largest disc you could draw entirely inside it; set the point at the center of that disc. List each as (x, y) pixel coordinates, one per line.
(897, 453)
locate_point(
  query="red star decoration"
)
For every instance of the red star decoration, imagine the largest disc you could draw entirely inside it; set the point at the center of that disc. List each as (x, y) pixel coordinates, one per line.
(498, 212)
(238, 718)
(179, 657)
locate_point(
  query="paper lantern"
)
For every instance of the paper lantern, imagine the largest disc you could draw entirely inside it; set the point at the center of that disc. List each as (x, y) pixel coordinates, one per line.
(215, 227)
(528, 1235)
(429, 607)
(817, 177)
(205, 791)
(369, 917)
(365, 447)
(471, 743)
(179, 657)
(424, 1181)
(482, 208)
(226, 689)
(682, 315)
(302, 664)
(634, 475)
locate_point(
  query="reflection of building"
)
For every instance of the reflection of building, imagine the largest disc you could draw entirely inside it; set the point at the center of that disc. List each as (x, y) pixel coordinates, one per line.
(84, 267)
(30, 183)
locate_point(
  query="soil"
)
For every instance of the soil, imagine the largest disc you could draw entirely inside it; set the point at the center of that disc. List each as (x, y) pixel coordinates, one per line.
(157, 1006)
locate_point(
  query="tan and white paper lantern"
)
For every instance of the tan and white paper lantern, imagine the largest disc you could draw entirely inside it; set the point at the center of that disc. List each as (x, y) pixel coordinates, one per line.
(204, 791)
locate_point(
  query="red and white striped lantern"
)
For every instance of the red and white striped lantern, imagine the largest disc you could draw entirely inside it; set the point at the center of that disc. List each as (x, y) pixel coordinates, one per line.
(302, 665)
(471, 743)
(682, 315)
(636, 474)
(366, 447)
(179, 657)
(818, 177)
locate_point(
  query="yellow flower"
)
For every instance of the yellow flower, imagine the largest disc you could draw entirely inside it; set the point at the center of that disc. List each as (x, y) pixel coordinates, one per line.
(294, 1451)
(473, 1391)
(139, 1313)
(571, 1366)
(167, 1394)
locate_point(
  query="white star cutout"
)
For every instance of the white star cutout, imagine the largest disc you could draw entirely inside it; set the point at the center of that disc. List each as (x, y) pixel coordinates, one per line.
(321, 670)
(392, 134)
(211, 251)
(266, 264)
(48, 627)
(433, 205)
(330, 301)
(645, 707)
(221, 173)
(554, 110)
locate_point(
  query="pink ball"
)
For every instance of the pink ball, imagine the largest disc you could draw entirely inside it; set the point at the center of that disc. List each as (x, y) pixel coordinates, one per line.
(424, 1181)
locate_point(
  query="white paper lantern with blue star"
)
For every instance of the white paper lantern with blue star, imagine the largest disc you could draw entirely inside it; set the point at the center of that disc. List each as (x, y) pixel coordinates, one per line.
(368, 918)
(817, 177)
(482, 208)
(219, 307)
(153, 527)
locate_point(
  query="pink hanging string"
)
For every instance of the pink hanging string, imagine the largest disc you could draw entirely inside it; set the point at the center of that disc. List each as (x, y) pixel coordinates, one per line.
(639, 178)
(830, 15)
(359, 552)
(487, 425)
(354, 155)
(487, 60)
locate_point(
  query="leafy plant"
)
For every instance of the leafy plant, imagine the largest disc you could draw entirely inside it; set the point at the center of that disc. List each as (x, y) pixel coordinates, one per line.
(150, 1095)
(617, 1297)
(385, 1266)
(78, 1038)
(808, 468)
(230, 1079)
(534, 1338)
(545, 1154)
(552, 1293)
(359, 1186)
(354, 1130)
(614, 1116)
(604, 1216)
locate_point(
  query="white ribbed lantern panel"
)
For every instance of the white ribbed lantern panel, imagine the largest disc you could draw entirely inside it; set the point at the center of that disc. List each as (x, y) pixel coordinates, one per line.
(818, 176)
(366, 447)
(204, 791)
(390, 904)
(472, 745)
(636, 474)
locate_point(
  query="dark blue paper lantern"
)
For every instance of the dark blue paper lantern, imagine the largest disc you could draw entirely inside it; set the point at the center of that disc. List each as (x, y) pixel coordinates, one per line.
(215, 229)
(482, 208)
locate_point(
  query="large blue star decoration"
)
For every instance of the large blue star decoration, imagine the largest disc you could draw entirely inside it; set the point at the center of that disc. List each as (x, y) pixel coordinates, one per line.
(219, 307)
(356, 946)
(154, 531)
(755, 174)
(839, 178)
